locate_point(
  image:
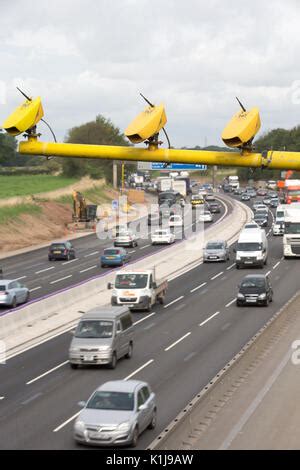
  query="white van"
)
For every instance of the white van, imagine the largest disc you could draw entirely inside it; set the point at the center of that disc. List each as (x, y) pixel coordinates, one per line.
(252, 248)
(280, 213)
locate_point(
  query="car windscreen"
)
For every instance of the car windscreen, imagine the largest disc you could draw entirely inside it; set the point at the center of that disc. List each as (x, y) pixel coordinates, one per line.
(94, 329)
(102, 400)
(111, 252)
(161, 232)
(260, 216)
(132, 281)
(215, 246)
(3, 288)
(255, 282)
(58, 246)
(292, 228)
(123, 233)
(249, 246)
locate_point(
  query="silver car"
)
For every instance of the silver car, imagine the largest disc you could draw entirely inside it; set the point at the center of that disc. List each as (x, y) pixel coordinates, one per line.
(13, 293)
(116, 414)
(217, 250)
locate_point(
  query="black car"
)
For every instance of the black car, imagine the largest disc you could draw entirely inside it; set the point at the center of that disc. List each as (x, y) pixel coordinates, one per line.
(255, 289)
(214, 207)
(154, 219)
(61, 250)
(274, 202)
(261, 219)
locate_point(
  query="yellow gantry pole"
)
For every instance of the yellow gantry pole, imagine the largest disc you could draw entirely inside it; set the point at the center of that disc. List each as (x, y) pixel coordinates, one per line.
(272, 159)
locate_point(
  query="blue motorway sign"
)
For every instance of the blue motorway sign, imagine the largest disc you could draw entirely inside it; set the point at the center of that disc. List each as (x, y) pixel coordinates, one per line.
(177, 166)
(115, 204)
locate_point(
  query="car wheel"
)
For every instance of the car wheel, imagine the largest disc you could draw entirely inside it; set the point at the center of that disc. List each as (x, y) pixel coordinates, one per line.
(113, 362)
(103, 265)
(50, 258)
(68, 257)
(238, 303)
(152, 423)
(135, 437)
(237, 266)
(73, 366)
(130, 351)
(266, 302)
(14, 303)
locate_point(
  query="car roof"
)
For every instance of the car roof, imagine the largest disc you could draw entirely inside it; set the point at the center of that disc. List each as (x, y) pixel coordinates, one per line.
(127, 386)
(108, 312)
(59, 242)
(254, 276)
(6, 281)
(216, 241)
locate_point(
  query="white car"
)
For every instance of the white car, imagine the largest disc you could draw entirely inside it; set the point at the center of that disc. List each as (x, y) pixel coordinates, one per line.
(278, 228)
(175, 221)
(162, 236)
(206, 217)
(126, 238)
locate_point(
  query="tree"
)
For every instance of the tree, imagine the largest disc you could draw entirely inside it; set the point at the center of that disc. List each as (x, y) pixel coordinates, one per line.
(98, 132)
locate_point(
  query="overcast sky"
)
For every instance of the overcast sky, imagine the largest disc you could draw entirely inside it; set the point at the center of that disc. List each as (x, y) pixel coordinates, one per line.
(94, 57)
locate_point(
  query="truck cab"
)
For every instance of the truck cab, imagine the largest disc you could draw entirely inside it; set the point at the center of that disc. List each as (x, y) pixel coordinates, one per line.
(139, 290)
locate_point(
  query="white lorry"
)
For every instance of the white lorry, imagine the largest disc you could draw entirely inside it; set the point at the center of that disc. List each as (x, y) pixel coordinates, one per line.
(164, 184)
(252, 248)
(233, 182)
(291, 237)
(179, 186)
(139, 290)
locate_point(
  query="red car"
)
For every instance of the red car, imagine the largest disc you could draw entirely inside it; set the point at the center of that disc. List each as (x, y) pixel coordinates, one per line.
(261, 192)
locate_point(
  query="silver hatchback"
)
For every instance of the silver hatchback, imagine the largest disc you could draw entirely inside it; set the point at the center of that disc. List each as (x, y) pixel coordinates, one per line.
(116, 414)
(13, 293)
(217, 250)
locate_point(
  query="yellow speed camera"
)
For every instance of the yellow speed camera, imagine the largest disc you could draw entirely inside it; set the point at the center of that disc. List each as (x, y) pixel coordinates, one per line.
(147, 124)
(26, 116)
(242, 128)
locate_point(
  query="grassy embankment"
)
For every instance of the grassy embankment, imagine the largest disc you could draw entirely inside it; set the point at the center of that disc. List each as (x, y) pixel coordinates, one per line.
(25, 185)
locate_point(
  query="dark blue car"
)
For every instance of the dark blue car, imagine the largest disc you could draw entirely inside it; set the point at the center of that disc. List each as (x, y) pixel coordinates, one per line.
(114, 257)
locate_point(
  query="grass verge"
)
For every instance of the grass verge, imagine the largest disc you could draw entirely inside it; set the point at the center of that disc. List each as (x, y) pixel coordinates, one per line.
(9, 213)
(24, 185)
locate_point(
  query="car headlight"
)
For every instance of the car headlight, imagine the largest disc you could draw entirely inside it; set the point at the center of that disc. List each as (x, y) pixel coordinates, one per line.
(262, 296)
(73, 351)
(104, 348)
(79, 426)
(240, 296)
(124, 426)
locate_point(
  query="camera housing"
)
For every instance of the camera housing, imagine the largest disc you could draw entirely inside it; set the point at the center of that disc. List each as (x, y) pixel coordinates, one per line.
(147, 124)
(242, 128)
(24, 117)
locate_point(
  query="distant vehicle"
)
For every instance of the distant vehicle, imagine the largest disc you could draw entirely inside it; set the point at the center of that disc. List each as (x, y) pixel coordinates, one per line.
(116, 414)
(169, 198)
(126, 238)
(227, 188)
(61, 250)
(267, 200)
(280, 213)
(271, 184)
(139, 290)
(274, 202)
(154, 219)
(208, 186)
(245, 197)
(175, 221)
(278, 228)
(261, 219)
(179, 186)
(251, 192)
(233, 181)
(255, 289)
(250, 225)
(217, 250)
(261, 192)
(291, 238)
(114, 257)
(252, 248)
(197, 200)
(214, 207)
(259, 206)
(13, 293)
(238, 191)
(162, 236)
(206, 216)
(103, 335)
(210, 197)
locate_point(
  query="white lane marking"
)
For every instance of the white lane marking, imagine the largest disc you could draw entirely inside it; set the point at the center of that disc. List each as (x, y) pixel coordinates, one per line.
(35, 288)
(178, 341)
(145, 246)
(149, 326)
(189, 356)
(267, 274)
(19, 278)
(91, 254)
(139, 369)
(66, 422)
(229, 267)
(2, 398)
(209, 318)
(198, 287)
(275, 265)
(145, 318)
(71, 261)
(61, 279)
(43, 270)
(217, 275)
(46, 373)
(173, 301)
(133, 251)
(33, 397)
(230, 303)
(88, 269)
(256, 402)
(282, 258)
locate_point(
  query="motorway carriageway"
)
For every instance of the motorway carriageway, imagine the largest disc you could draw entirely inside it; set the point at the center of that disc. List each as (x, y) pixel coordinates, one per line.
(178, 349)
(45, 277)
